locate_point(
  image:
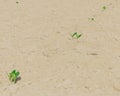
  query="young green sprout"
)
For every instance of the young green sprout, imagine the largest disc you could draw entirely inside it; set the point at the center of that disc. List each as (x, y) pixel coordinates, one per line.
(76, 35)
(104, 7)
(92, 19)
(13, 76)
(17, 2)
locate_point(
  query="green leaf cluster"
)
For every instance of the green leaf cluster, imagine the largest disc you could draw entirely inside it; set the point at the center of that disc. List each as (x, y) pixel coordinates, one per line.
(13, 76)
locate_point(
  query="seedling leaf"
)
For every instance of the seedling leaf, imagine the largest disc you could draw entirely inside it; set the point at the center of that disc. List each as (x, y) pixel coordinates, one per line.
(79, 36)
(13, 71)
(17, 73)
(74, 34)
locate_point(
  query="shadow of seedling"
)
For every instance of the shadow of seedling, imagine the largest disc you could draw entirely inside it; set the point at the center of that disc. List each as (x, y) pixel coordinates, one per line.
(19, 78)
(13, 76)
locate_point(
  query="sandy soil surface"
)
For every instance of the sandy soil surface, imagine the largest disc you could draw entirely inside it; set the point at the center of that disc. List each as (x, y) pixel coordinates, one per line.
(35, 38)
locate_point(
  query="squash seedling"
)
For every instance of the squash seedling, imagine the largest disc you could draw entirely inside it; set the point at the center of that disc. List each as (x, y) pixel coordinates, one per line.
(76, 35)
(13, 76)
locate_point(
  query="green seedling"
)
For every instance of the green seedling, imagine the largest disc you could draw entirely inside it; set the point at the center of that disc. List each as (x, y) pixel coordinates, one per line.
(13, 76)
(104, 7)
(92, 19)
(76, 35)
(17, 2)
